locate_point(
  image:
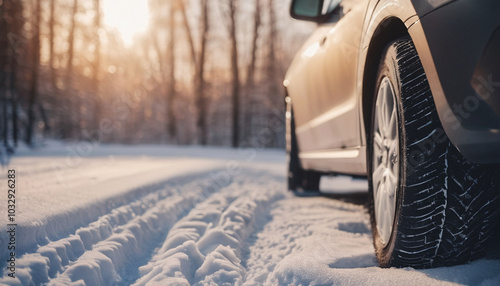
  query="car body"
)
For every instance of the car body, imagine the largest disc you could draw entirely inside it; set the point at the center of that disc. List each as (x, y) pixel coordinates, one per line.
(332, 75)
(425, 73)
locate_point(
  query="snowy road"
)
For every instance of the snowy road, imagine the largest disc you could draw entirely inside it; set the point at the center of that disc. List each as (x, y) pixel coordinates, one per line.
(154, 215)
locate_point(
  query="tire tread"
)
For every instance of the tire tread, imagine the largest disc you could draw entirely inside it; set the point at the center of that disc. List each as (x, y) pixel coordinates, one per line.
(450, 205)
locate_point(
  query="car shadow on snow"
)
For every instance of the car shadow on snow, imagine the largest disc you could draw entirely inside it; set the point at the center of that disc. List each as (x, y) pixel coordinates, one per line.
(357, 197)
(358, 261)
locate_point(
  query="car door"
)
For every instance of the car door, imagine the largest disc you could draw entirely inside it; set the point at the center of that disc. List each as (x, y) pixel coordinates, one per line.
(329, 116)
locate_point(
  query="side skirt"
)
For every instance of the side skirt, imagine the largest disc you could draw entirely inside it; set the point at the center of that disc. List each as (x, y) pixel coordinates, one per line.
(351, 161)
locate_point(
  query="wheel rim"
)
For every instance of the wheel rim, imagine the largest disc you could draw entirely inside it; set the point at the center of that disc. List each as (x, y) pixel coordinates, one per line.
(385, 164)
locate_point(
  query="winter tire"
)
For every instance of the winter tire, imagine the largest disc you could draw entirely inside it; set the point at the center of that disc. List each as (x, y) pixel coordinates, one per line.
(429, 206)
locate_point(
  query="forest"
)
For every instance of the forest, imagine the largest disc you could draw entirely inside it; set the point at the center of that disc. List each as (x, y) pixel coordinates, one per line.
(203, 72)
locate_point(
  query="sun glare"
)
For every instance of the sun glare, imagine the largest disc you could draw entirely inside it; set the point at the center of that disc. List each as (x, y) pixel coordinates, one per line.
(128, 17)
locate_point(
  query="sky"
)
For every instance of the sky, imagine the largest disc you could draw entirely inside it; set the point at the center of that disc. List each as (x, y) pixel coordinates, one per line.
(129, 17)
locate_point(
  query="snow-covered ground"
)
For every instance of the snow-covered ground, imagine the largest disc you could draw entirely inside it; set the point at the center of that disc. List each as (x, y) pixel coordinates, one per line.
(155, 215)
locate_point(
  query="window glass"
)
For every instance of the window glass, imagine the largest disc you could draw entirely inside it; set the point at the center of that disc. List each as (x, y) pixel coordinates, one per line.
(308, 8)
(329, 6)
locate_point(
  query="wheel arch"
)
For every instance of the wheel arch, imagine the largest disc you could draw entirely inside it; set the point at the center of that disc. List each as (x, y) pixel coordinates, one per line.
(387, 31)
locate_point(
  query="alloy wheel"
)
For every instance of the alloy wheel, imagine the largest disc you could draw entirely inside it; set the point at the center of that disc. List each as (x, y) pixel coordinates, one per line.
(385, 159)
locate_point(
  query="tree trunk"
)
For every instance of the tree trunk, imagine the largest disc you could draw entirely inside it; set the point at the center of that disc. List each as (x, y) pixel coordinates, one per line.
(71, 45)
(235, 82)
(96, 66)
(13, 95)
(272, 71)
(5, 122)
(67, 128)
(189, 35)
(272, 48)
(34, 76)
(200, 80)
(256, 25)
(51, 43)
(199, 68)
(250, 82)
(171, 120)
(3, 77)
(12, 45)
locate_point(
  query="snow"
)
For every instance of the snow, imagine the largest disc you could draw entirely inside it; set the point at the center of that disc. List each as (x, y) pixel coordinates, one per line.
(167, 215)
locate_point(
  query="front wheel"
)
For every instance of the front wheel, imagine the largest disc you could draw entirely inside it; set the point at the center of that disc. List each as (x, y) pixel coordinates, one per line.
(429, 206)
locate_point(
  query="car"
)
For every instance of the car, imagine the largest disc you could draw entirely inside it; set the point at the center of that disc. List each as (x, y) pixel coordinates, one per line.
(407, 94)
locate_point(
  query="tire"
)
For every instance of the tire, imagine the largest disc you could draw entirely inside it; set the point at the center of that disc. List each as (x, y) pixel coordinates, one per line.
(299, 180)
(444, 207)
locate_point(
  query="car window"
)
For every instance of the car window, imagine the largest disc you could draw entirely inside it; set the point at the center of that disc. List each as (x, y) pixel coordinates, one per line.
(330, 5)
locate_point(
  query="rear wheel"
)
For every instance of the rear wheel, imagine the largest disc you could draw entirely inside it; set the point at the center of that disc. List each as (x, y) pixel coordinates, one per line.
(298, 179)
(429, 205)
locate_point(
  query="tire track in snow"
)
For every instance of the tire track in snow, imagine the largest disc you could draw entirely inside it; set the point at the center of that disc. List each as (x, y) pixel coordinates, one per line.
(51, 208)
(120, 227)
(111, 249)
(206, 247)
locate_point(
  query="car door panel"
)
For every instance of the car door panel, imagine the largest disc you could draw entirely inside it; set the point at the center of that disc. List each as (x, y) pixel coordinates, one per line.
(328, 84)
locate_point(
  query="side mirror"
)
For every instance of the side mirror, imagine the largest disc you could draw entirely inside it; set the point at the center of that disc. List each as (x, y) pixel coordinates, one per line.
(312, 10)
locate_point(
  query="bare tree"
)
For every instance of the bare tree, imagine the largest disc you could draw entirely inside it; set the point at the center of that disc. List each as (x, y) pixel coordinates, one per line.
(96, 64)
(34, 75)
(255, 37)
(52, 19)
(171, 94)
(167, 62)
(76, 91)
(199, 67)
(200, 80)
(16, 42)
(188, 33)
(273, 72)
(231, 19)
(71, 46)
(4, 44)
(154, 41)
(250, 80)
(271, 62)
(67, 124)
(235, 79)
